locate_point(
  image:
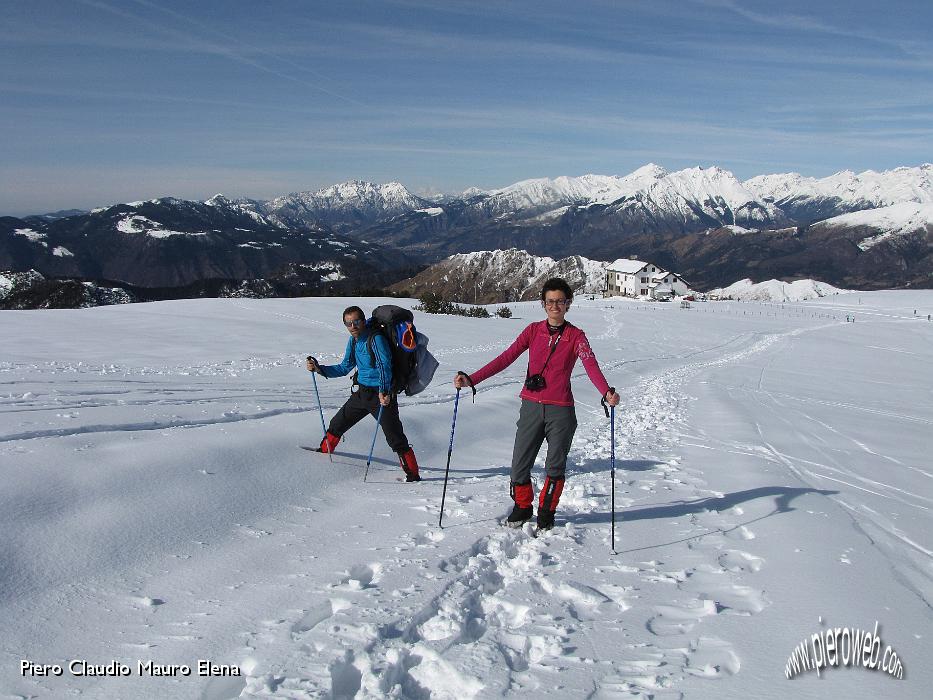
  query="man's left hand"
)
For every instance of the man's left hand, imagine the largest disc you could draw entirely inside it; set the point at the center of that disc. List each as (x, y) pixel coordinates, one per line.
(385, 399)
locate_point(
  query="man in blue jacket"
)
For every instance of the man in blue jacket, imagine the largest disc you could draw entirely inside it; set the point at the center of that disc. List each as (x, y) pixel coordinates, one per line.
(374, 376)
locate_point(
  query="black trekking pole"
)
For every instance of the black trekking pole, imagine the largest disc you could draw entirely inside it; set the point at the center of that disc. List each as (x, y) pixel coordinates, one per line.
(373, 446)
(611, 415)
(450, 449)
(321, 409)
(612, 472)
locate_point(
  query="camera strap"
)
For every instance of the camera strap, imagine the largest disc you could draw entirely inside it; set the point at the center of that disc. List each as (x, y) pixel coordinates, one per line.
(553, 348)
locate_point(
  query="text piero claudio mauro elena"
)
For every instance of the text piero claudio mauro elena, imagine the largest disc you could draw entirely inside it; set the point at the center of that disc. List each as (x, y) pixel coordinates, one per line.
(118, 669)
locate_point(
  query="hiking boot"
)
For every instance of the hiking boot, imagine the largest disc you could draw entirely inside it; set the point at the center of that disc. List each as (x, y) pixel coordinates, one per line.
(547, 502)
(409, 465)
(519, 516)
(523, 495)
(329, 443)
(545, 519)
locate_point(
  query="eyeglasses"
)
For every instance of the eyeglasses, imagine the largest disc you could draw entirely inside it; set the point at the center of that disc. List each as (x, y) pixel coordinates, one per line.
(556, 302)
(355, 323)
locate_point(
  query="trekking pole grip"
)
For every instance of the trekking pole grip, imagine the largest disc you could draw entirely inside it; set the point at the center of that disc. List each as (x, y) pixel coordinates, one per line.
(602, 401)
(468, 381)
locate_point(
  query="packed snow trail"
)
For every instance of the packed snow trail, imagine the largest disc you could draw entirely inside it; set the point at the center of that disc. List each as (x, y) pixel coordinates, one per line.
(179, 535)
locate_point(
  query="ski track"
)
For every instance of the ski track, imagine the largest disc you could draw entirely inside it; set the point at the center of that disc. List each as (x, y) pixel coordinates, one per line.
(506, 613)
(477, 623)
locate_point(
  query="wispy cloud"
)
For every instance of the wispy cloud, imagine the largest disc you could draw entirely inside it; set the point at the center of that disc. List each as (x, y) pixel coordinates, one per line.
(809, 23)
(220, 44)
(482, 46)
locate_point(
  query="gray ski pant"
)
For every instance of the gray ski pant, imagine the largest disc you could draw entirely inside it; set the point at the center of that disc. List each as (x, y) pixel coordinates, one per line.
(538, 422)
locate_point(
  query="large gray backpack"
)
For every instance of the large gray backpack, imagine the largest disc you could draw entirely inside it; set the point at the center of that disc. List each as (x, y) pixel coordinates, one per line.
(413, 366)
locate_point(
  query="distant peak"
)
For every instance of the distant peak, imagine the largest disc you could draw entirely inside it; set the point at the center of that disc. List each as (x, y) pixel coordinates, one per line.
(650, 169)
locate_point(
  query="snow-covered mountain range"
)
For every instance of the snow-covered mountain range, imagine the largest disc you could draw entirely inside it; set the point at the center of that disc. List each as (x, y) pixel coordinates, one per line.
(845, 191)
(716, 192)
(870, 229)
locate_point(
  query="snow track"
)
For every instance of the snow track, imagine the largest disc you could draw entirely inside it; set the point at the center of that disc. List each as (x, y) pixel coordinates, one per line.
(197, 529)
(511, 610)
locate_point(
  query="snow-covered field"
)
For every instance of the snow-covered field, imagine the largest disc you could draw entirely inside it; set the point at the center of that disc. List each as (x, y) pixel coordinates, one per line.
(773, 480)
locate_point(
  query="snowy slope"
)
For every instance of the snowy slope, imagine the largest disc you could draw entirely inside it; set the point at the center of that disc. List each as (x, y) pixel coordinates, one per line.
(776, 290)
(891, 222)
(771, 481)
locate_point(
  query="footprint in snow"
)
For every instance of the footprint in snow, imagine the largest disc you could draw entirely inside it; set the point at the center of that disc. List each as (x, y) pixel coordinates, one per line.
(429, 538)
(312, 618)
(711, 658)
(362, 576)
(582, 600)
(346, 678)
(145, 602)
(730, 598)
(736, 560)
(679, 619)
(645, 672)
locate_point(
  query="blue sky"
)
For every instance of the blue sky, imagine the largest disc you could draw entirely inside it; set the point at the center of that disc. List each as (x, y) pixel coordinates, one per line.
(103, 101)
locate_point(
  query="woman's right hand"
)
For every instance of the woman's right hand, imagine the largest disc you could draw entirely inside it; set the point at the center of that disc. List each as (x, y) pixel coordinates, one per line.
(460, 381)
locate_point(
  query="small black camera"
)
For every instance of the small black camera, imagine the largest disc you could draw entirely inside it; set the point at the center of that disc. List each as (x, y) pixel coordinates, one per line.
(535, 382)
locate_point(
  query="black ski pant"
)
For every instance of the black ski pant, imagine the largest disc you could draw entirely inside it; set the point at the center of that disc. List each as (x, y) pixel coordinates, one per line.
(365, 402)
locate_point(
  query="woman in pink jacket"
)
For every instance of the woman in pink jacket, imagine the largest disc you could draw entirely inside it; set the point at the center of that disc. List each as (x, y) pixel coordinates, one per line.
(547, 412)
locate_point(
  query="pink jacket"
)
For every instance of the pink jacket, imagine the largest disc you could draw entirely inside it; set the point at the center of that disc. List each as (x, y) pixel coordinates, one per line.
(537, 340)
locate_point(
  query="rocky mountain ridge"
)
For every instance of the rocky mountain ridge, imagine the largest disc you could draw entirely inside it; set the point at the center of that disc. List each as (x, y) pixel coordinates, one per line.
(494, 276)
(171, 243)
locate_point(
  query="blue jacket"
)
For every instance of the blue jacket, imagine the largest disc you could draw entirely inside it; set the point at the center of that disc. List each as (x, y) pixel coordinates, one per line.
(359, 357)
